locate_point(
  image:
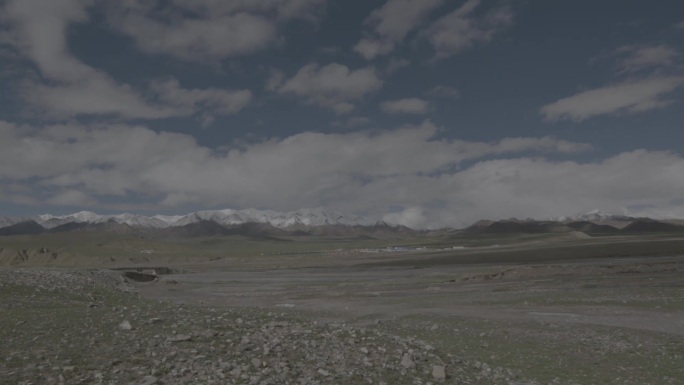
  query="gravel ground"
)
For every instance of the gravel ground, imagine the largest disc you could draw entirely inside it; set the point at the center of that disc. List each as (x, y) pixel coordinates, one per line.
(90, 327)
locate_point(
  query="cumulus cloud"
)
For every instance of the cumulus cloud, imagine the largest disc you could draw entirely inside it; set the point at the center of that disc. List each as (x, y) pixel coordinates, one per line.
(412, 217)
(628, 97)
(209, 102)
(452, 183)
(39, 33)
(207, 29)
(357, 172)
(405, 106)
(639, 57)
(71, 198)
(333, 86)
(282, 9)
(219, 37)
(391, 23)
(73, 88)
(462, 28)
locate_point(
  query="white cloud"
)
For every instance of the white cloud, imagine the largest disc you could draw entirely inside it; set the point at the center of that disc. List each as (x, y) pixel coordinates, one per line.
(209, 102)
(370, 48)
(630, 97)
(461, 29)
(391, 23)
(639, 57)
(359, 171)
(412, 217)
(334, 86)
(363, 172)
(73, 88)
(191, 39)
(442, 91)
(39, 32)
(71, 198)
(207, 29)
(405, 106)
(282, 9)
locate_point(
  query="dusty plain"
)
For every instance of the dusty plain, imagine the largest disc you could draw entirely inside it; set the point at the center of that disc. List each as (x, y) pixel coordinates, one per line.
(543, 309)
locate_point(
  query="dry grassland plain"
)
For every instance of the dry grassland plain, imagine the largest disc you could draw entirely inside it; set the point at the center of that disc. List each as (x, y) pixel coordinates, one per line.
(519, 309)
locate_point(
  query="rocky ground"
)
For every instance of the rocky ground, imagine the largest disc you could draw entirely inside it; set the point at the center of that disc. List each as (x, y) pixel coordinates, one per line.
(90, 327)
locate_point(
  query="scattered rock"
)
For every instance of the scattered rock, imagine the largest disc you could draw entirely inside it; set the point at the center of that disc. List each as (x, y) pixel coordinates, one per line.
(149, 380)
(125, 325)
(407, 361)
(323, 372)
(179, 338)
(287, 305)
(438, 372)
(256, 362)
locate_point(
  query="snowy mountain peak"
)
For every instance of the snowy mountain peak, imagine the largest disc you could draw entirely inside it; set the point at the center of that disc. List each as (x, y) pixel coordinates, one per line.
(87, 216)
(303, 217)
(593, 215)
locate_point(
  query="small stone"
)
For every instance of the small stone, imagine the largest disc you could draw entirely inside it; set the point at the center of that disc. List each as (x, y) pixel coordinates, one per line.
(323, 372)
(438, 372)
(179, 338)
(256, 362)
(407, 362)
(125, 325)
(149, 380)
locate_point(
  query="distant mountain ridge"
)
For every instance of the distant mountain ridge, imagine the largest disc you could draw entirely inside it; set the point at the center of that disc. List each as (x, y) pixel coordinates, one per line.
(593, 222)
(249, 222)
(228, 217)
(315, 221)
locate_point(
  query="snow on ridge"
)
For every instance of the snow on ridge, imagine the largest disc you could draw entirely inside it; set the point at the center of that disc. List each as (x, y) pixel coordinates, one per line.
(593, 215)
(303, 217)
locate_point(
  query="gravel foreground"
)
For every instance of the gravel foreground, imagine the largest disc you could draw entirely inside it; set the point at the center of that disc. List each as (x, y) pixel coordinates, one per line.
(90, 327)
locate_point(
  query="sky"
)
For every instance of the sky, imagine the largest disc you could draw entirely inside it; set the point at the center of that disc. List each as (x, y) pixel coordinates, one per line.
(424, 113)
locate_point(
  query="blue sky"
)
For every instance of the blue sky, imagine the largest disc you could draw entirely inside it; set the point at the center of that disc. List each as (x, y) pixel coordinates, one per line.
(424, 113)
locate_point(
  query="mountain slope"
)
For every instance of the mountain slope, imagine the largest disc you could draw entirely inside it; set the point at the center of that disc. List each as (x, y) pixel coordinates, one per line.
(592, 228)
(21, 228)
(645, 225)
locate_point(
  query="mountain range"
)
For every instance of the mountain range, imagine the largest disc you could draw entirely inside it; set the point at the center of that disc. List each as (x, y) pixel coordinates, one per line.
(229, 217)
(251, 222)
(316, 221)
(593, 222)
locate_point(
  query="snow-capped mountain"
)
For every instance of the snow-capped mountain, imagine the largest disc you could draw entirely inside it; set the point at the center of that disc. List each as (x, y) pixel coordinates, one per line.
(228, 217)
(9, 221)
(593, 216)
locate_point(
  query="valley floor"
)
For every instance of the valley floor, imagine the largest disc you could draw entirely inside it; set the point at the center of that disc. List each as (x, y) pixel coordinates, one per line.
(412, 318)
